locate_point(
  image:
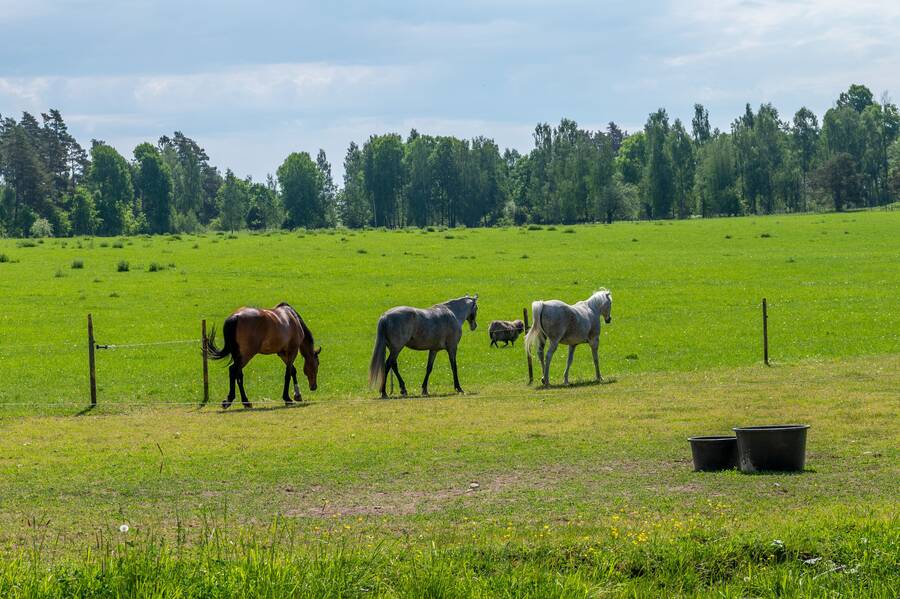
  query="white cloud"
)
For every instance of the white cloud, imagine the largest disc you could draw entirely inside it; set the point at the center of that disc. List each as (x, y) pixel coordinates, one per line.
(259, 87)
(15, 10)
(265, 86)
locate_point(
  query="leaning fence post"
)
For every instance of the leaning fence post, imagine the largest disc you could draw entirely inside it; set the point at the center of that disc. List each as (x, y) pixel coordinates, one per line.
(765, 315)
(528, 353)
(91, 364)
(205, 342)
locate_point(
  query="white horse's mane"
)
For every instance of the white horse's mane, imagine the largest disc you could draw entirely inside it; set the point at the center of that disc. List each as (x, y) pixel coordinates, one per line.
(599, 297)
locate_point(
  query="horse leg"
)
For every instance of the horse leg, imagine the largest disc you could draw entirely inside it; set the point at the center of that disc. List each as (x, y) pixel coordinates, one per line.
(452, 353)
(431, 354)
(594, 344)
(569, 364)
(297, 396)
(287, 382)
(397, 372)
(540, 353)
(232, 379)
(387, 368)
(550, 351)
(240, 382)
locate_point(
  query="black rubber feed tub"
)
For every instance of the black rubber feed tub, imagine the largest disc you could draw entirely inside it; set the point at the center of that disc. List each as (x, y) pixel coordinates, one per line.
(714, 453)
(778, 447)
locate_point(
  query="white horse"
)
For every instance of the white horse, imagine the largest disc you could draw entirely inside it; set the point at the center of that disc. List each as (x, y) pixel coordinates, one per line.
(556, 322)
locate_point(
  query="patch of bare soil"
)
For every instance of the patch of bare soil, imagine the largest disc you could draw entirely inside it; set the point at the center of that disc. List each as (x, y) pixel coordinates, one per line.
(316, 502)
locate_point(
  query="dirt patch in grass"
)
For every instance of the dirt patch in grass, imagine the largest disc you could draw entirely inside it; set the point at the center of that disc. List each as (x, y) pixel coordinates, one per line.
(485, 487)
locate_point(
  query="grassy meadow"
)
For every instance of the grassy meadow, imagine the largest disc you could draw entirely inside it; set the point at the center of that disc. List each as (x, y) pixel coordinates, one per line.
(507, 490)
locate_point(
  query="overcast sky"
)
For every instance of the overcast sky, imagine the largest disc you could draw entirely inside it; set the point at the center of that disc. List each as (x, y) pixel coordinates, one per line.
(254, 81)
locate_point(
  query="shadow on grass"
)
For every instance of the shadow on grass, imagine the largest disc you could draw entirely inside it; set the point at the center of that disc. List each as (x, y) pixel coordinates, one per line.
(780, 472)
(239, 409)
(85, 411)
(398, 397)
(576, 385)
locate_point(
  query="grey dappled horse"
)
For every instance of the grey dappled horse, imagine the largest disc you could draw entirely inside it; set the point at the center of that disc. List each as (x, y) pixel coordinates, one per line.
(435, 328)
(557, 322)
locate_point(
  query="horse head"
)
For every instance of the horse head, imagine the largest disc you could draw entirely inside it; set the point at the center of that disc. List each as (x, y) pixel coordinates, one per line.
(473, 311)
(311, 367)
(606, 308)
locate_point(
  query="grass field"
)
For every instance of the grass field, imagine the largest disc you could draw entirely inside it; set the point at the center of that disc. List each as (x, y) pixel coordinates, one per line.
(507, 490)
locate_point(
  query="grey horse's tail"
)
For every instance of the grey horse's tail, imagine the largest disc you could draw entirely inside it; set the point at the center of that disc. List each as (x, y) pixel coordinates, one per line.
(536, 332)
(376, 366)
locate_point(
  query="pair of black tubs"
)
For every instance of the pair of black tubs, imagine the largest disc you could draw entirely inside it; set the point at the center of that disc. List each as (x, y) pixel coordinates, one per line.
(771, 448)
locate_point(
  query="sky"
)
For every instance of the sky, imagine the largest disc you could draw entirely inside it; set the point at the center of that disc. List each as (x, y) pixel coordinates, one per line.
(254, 81)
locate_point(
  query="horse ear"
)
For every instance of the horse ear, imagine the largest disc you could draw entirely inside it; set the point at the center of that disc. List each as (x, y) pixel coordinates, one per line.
(319, 351)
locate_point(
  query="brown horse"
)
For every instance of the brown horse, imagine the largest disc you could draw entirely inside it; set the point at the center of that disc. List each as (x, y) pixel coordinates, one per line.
(251, 331)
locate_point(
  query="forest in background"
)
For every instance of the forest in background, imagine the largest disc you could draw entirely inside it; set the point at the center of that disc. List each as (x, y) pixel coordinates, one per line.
(50, 185)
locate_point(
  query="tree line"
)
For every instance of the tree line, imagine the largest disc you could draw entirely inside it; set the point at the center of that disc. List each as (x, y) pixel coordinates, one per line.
(51, 185)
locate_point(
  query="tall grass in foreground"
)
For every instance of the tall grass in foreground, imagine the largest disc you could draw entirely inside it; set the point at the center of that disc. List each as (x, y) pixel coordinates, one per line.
(848, 559)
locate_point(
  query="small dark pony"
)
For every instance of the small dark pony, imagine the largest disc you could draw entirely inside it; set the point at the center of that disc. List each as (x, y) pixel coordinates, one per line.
(251, 331)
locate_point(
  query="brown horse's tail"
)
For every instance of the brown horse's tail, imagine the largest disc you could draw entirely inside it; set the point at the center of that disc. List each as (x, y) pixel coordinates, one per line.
(376, 366)
(230, 349)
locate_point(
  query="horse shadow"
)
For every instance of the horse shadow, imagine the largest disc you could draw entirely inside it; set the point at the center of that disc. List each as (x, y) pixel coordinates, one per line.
(239, 409)
(577, 384)
(445, 395)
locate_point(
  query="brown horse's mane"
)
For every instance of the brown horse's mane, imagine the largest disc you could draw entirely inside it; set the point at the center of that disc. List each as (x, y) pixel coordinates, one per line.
(307, 334)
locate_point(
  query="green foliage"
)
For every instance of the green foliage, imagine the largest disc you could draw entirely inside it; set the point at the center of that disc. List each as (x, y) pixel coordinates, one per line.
(571, 175)
(266, 211)
(233, 199)
(153, 188)
(840, 177)
(77, 264)
(717, 178)
(123, 266)
(659, 175)
(84, 217)
(302, 186)
(110, 179)
(382, 158)
(352, 200)
(857, 97)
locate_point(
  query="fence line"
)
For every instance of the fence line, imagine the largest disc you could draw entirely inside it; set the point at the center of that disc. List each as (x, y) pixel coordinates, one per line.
(6, 349)
(147, 344)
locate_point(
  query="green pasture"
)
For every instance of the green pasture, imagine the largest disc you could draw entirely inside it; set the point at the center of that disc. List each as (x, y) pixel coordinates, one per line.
(686, 297)
(508, 490)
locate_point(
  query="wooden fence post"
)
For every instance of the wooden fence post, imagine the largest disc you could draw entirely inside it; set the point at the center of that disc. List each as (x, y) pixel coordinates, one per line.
(527, 353)
(205, 362)
(91, 364)
(765, 316)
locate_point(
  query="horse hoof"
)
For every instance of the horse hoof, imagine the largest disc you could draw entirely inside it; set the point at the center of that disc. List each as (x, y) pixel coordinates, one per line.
(458, 390)
(298, 399)
(425, 392)
(247, 404)
(403, 392)
(226, 404)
